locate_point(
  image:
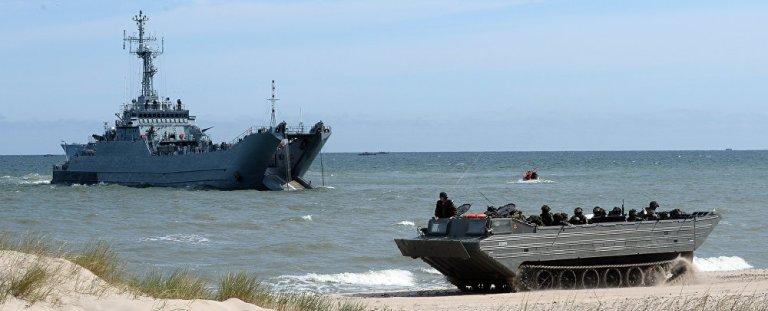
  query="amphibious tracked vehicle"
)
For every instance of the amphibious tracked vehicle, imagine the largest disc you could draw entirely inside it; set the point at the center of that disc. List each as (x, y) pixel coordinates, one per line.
(479, 253)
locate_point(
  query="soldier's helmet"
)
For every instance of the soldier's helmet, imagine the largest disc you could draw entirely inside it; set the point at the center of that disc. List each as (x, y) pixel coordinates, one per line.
(557, 217)
(577, 211)
(616, 211)
(653, 205)
(545, 209)
(596, 210)
(633, 212)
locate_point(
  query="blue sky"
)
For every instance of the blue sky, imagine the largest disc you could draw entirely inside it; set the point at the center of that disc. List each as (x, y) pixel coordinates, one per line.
(403, 75)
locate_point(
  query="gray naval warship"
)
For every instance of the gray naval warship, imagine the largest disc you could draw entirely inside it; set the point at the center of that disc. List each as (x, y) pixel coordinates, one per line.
(500, 252)
(155, 142)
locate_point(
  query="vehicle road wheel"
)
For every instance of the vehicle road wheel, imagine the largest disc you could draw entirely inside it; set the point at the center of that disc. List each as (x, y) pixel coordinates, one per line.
(483, 287)
(654, 275)
(544, 279)
(612, 277)
(464, 288)
(566, 279)
(502, 287)
(590, 279)
(634, 277)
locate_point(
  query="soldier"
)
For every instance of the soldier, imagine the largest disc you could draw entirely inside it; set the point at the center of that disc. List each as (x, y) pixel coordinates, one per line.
(535, 219)
(444, 207)
(633, 216)
(676, 214)
(561, 219)
(664, 215)
(578, 217)
(650, 211)
(598, 215)
(492, 212)
(616, 211)
(516, 214)
(546, 215)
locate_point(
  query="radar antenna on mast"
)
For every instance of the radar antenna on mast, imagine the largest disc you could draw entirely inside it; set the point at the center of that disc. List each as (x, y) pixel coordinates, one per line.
(146, 52)
(272, 100)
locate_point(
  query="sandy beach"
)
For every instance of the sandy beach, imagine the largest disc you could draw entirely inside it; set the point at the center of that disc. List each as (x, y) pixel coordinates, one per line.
(735, 290)
(71, 287)
(68, 286)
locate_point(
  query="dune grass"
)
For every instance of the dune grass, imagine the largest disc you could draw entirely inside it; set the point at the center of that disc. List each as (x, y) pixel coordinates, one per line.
(244, 287)
(247, 287)
(104, 262)
(29, 285)
(180, 284)
(99, 258)
(31, 243)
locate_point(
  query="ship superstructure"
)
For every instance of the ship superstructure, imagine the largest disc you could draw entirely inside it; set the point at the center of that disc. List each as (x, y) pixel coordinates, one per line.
(155, 142)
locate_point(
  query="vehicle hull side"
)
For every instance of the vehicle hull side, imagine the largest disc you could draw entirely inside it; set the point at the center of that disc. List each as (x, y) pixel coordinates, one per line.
(499, 257)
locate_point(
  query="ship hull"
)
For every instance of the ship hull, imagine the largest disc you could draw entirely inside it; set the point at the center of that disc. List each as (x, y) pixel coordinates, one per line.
(130, 163)
(302, 149)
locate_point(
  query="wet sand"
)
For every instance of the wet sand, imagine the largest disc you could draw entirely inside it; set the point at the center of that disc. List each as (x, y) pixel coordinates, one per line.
(736, 290)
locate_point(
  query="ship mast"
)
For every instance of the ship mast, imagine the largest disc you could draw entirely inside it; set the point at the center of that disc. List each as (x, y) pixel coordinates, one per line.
(272, 100)
(146, 52)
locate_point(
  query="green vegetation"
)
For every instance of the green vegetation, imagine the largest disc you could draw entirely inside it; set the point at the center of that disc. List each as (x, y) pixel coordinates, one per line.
(104, 262)
(30, 285)
(244, 287)
(181, 284)
(100, 259)
(247, 288)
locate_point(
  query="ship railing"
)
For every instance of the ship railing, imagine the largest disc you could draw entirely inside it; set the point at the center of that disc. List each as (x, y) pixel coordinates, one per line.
(242, 135)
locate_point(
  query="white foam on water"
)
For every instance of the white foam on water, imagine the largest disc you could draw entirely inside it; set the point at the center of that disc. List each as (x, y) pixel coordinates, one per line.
(179, 238)
(391, 277)
(28, 179)
(307, 217)
(430, 271)
(533, 181)
(406, 223)
(721, 263)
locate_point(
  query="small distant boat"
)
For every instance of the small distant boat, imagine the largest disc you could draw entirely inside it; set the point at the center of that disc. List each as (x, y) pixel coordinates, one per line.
(728, 149)
(372, 153)
(530, 175)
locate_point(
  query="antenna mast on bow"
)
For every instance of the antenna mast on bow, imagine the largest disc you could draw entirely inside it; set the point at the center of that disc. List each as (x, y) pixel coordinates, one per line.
(272, 100)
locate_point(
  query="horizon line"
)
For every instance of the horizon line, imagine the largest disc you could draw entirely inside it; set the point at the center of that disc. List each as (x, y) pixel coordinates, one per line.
(483, 151)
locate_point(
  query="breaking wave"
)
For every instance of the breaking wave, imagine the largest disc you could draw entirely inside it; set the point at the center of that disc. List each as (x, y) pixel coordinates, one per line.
(307, 217)
(722, 263)
(406, 223)
(179, 238)
(28, 179)
(394, 278)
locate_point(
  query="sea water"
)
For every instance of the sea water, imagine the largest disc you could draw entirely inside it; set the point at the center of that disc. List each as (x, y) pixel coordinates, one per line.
(340, 238)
